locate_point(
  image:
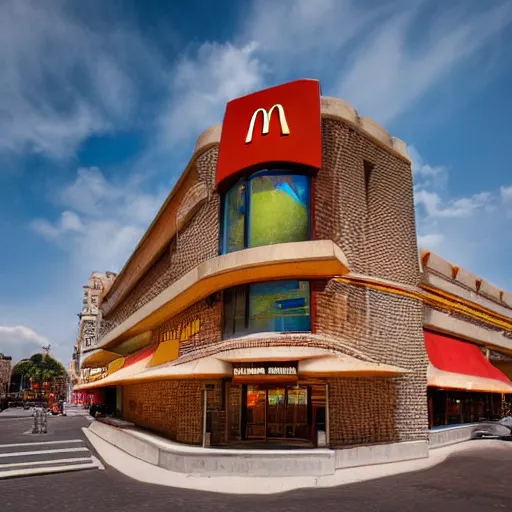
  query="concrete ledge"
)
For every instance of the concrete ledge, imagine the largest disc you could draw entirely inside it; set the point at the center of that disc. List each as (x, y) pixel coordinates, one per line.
(197, 461)
(239, 485)
(115, 422)
(295, 260)
(380, 454)
(450, 435)
(445, 323)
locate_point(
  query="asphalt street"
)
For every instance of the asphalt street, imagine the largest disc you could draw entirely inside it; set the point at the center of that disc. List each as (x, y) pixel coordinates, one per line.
(467, 482)
(62, 448)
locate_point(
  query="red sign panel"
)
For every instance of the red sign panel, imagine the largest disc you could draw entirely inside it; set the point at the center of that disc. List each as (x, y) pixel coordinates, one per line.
(275, 126)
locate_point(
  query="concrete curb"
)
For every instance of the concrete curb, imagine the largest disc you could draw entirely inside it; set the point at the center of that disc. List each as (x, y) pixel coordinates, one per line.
(145, 472)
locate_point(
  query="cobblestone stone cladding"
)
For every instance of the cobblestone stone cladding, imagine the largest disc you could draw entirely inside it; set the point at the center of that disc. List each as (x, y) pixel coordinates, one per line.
(387, 328)
(197, 242)
(5, 374)
(174, 408)
(369, 214)
(364, 203)
(209, 327)
(362, 411)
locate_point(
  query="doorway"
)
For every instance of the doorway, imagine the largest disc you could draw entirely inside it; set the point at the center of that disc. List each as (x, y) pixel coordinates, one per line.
(277, 412)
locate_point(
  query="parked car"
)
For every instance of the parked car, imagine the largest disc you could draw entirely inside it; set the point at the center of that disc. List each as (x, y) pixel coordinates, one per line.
(501, 429)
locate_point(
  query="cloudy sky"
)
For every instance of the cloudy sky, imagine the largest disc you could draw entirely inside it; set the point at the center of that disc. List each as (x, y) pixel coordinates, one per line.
(100, 104)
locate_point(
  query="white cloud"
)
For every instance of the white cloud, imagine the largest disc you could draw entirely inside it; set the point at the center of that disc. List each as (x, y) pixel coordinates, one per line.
(466, 230)
(296, 35)
(432, 241)
(62, 81)
(462, 207)
(506, 193)
(388, 73)
(20, 341)
(203, 83)
(421, 169)
(100, 76)
(67, 222)
(103, 220)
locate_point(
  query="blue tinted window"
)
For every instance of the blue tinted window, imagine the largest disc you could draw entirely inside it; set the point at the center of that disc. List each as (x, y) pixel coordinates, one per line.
(277, 306)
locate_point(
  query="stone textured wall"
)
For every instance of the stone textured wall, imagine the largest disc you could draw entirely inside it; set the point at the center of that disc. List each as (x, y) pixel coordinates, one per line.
(210, 331)
(370, 215)
(373, 223)
(362, 411)
(174, 408)
(5, 374)
(197, 242)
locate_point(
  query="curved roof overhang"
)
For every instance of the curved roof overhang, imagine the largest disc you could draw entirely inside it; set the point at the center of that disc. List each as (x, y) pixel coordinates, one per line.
(312, 362)
(297, 260)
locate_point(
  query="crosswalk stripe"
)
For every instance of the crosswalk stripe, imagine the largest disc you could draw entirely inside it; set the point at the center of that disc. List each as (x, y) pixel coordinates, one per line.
(41, 452)
(38, 462)
(45, 471)
(41, 443)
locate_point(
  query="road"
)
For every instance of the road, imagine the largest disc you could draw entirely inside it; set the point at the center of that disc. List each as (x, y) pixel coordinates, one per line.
(471, 481)
(62, 448)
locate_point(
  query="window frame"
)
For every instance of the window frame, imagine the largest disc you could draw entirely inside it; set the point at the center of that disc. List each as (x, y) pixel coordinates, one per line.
(245, 180)
(247, 297)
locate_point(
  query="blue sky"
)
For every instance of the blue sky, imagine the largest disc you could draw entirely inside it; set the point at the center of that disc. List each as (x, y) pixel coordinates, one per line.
(101, 102)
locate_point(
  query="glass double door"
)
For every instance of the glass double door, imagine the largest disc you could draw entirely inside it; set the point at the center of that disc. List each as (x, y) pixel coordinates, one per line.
(277, 412)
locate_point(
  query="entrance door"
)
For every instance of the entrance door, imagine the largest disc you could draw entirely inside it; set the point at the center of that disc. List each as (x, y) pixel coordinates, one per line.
(297, 413)
(276, 412)
(256, 412)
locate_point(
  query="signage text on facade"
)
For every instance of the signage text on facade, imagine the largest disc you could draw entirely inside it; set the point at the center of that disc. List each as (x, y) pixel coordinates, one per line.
(182, 332)
(264, 369)
(279, 125)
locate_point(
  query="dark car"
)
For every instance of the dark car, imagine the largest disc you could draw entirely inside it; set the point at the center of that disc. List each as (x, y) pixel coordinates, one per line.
(501, 429)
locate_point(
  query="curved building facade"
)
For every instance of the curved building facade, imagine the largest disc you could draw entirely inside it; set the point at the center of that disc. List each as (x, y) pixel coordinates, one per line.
(278, 296)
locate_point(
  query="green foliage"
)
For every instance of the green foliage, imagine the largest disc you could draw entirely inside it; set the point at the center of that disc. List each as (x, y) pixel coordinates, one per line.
(39, 368)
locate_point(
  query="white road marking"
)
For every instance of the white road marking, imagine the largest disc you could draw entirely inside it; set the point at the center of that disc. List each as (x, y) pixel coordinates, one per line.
(42, 443)
(35, 462)
(97, 461)
(46, 470)
(41, 452)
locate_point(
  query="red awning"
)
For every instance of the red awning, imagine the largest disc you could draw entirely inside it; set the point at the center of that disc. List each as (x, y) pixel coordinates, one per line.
(461, 365)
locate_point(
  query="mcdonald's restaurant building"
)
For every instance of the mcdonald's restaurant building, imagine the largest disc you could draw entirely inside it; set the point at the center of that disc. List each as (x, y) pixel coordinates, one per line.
(279, 297)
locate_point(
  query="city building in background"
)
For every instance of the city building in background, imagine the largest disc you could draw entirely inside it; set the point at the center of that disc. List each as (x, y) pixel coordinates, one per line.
(5, 374)
(93, 292)
(279, 295)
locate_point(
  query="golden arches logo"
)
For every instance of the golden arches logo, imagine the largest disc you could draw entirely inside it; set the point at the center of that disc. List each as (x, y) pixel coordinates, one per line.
(285, 130)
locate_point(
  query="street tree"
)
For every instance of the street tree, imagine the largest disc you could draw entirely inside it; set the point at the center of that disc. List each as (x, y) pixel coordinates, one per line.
(39, 368)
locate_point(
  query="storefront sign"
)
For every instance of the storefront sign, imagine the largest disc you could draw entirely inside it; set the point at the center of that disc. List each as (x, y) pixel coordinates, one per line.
(267, 116)
(274, 369)
(278, 125)
(183, 332)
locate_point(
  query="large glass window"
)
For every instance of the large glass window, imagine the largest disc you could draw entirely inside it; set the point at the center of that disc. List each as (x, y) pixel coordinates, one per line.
(276, 306)
(271, 207)
(234, 218)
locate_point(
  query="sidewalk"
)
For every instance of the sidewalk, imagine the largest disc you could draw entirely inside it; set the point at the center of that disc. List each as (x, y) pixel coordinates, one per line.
(15, 412)
(149, 473)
